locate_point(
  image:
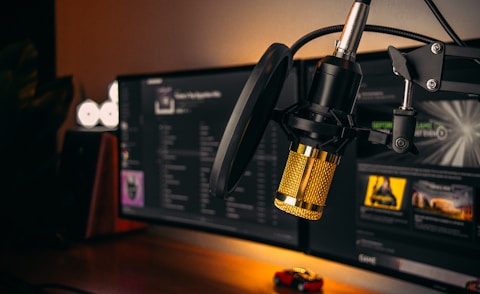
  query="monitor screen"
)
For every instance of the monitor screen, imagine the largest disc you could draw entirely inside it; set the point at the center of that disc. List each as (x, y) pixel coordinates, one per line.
(170, 125)
(416, 217)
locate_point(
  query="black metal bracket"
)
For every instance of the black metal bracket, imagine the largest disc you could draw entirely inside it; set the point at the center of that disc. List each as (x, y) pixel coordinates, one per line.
(424, 66)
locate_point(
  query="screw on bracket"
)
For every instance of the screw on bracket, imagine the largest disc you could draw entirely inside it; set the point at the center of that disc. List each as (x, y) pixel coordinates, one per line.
(436, 48)
(433, 85)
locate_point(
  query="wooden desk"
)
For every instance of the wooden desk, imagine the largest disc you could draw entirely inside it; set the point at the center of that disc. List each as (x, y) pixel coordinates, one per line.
(142, 263)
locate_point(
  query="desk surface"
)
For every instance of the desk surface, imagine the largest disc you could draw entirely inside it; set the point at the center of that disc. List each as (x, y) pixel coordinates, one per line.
(141, 263)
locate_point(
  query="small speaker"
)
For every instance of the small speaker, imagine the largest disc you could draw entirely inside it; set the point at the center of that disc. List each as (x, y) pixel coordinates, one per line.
(89, 185)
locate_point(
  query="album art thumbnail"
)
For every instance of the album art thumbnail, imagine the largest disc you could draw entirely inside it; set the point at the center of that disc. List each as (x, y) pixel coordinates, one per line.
(132, 188)
(452, 201)
(164, 102)
(385, 192)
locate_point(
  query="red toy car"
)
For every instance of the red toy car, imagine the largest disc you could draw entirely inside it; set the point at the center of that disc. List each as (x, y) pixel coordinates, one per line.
(473, 286)
(299, 278)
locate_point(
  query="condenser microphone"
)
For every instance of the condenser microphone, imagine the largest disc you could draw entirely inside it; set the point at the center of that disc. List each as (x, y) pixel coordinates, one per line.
(319, 126)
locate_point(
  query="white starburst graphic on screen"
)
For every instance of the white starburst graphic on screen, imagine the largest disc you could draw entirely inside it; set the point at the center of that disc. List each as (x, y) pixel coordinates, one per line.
(459, 143)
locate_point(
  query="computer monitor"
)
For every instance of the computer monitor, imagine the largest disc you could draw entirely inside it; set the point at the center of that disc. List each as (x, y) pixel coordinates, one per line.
(170, 125)
(426, 230)
(415, 217)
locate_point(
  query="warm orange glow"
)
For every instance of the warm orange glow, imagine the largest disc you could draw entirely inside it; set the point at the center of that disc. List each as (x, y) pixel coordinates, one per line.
(276, 258)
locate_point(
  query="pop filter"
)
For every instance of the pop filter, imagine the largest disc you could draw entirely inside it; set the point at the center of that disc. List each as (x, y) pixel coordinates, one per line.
(249, 119)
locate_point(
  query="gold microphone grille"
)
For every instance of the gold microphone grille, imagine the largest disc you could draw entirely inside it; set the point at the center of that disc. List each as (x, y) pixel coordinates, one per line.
(305, 182)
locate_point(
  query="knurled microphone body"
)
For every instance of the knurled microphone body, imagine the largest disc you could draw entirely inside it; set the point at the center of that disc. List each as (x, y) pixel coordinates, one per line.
(318, 129)
(306, 181)
(319, 126)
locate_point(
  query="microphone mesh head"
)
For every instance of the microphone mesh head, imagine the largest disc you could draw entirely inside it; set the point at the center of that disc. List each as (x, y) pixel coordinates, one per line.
(306, 181)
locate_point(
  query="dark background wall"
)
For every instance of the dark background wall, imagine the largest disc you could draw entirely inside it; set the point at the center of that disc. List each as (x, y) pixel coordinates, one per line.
(28, 137)
(34, 20)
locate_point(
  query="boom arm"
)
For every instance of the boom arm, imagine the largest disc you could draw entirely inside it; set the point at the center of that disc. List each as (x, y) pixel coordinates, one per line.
(423, 66)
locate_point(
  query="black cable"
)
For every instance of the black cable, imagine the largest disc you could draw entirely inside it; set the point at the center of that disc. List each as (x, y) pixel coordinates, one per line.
(446, 26)
(444, 23)
(369, 28)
